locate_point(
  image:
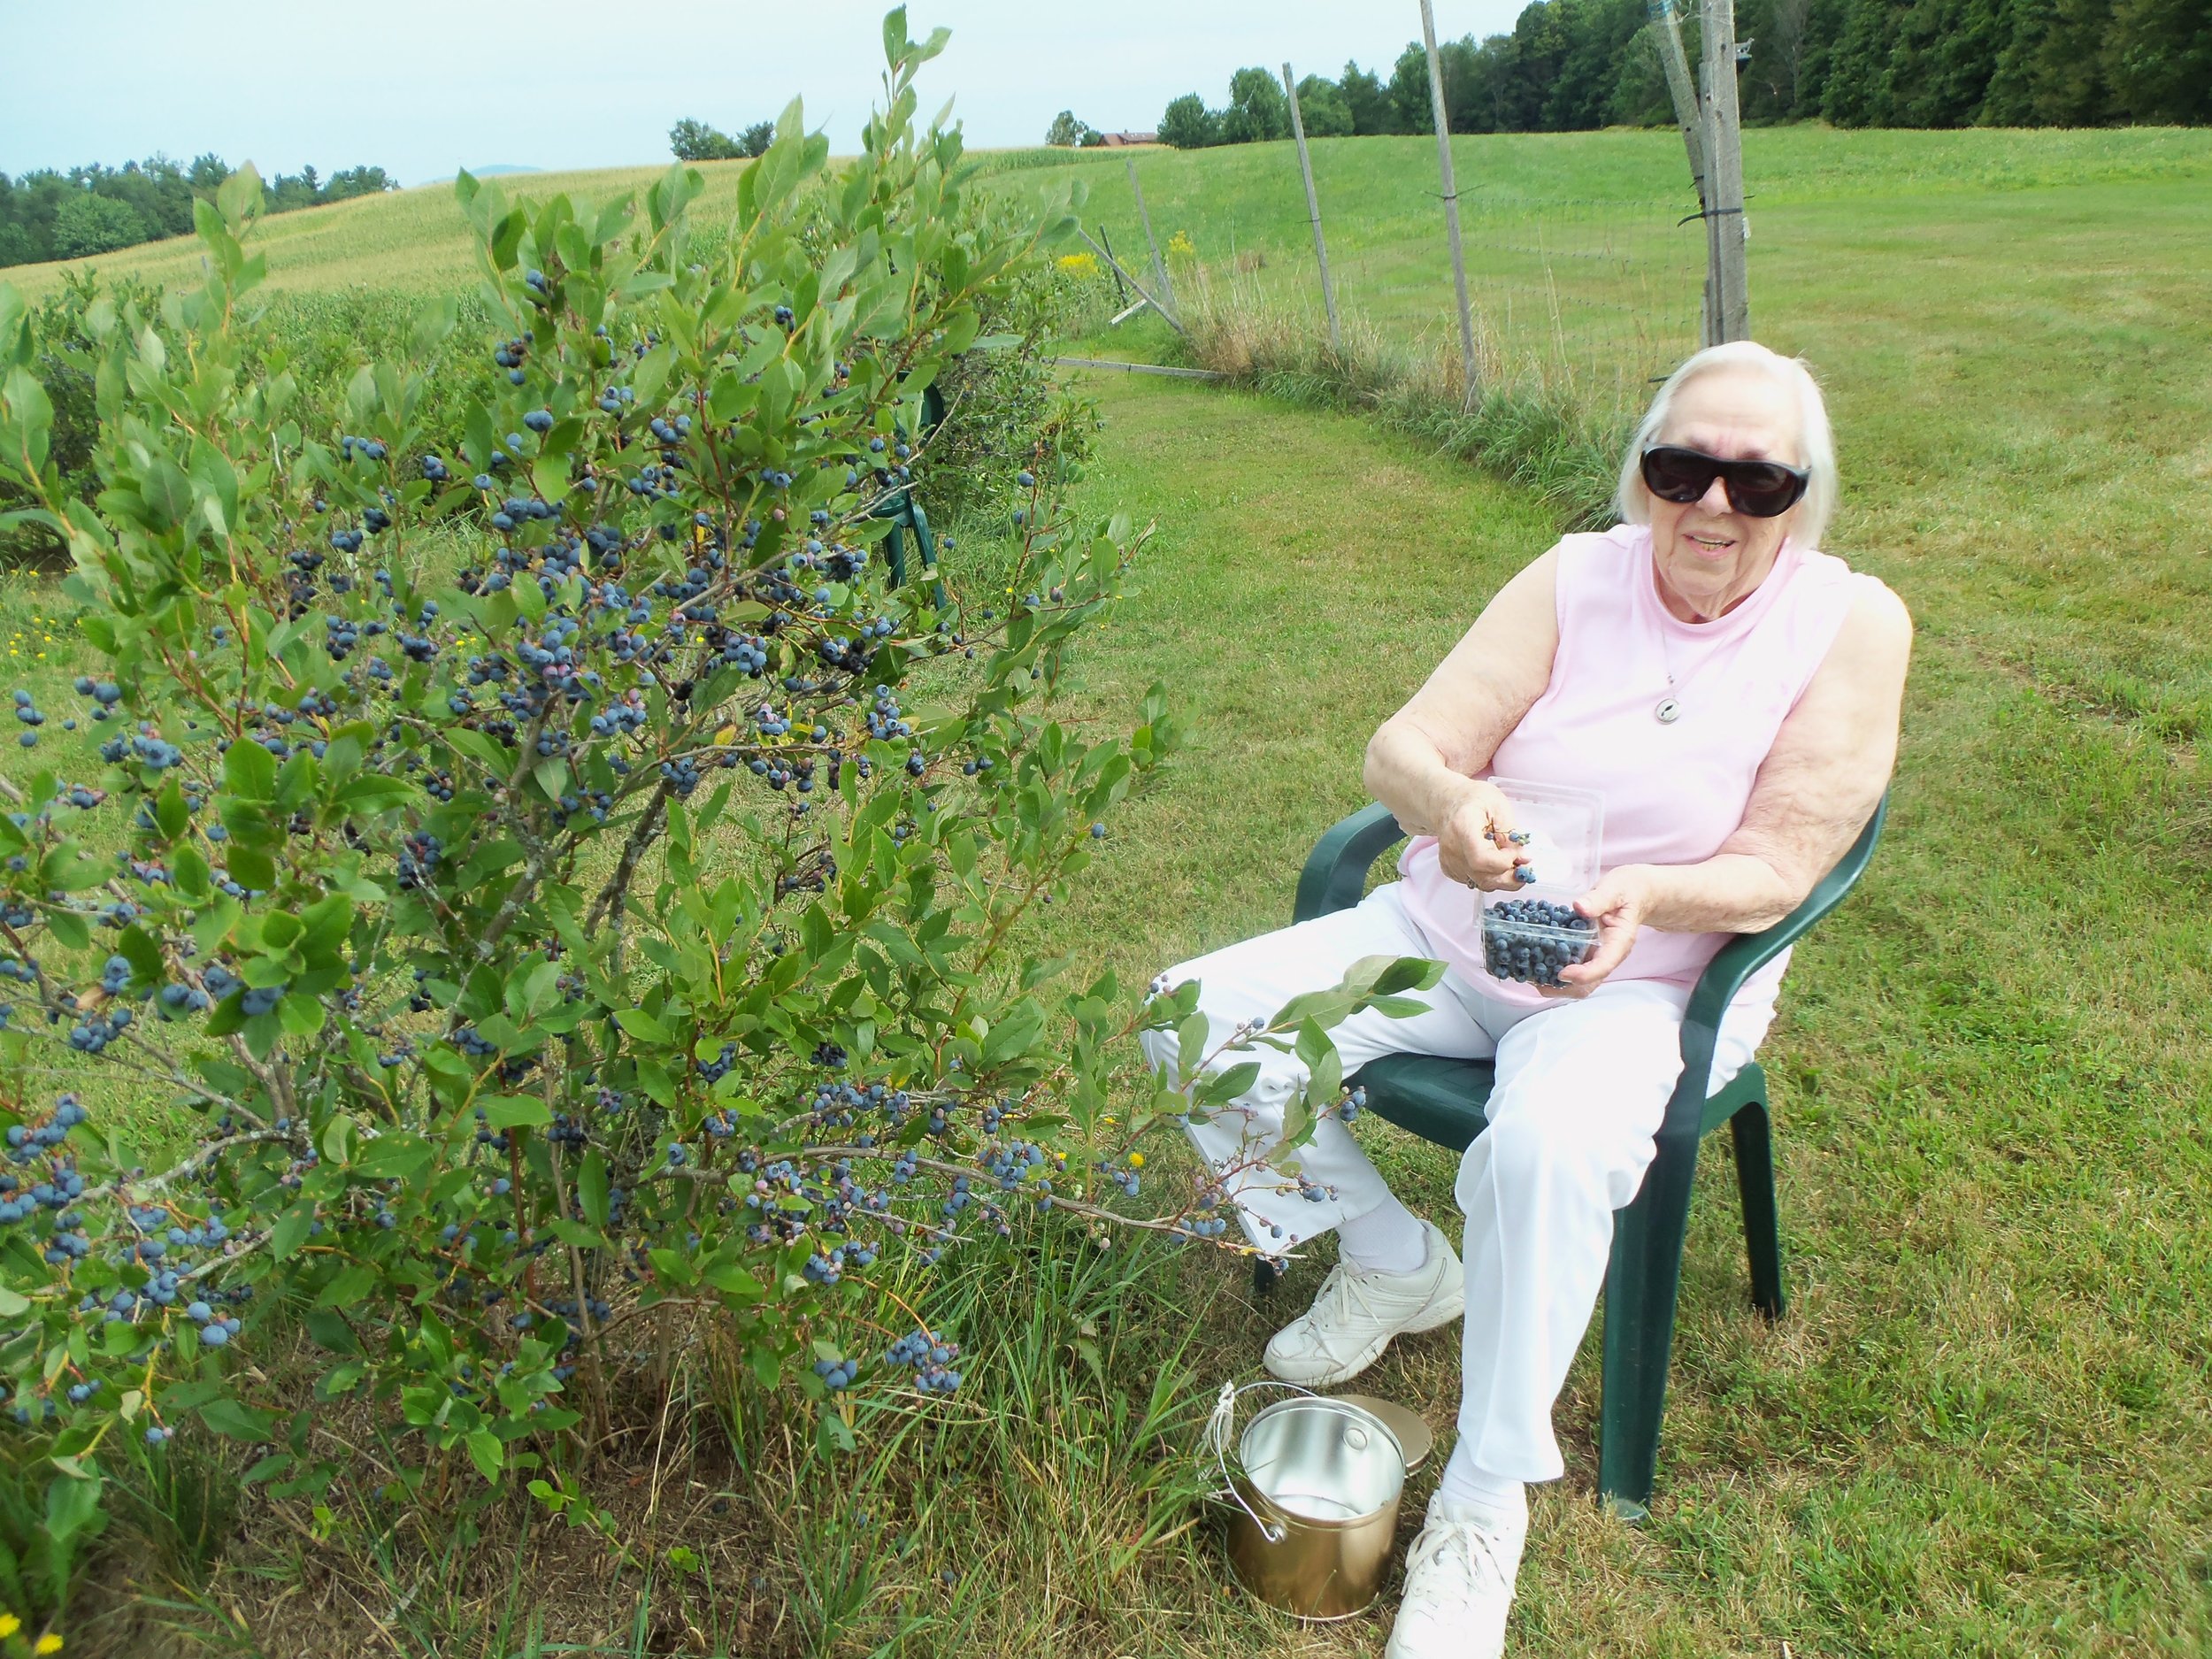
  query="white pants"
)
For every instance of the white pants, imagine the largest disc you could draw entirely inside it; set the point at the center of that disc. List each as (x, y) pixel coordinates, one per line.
(1582, 1085)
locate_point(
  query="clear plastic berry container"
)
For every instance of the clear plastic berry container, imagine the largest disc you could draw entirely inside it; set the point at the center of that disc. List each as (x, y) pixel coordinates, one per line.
(1530, 933)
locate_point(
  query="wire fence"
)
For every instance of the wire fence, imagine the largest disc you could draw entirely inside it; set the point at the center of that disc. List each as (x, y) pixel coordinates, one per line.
(1584, 302)
(1587, 288)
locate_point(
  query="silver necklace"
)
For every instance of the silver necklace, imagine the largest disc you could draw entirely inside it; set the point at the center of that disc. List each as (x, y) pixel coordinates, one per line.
(1669, 707)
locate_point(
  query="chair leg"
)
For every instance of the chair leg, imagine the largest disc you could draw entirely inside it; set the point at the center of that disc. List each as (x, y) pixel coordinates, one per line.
(1640, 1285)
(1761, 1227)
(927, 541)
(897, 544)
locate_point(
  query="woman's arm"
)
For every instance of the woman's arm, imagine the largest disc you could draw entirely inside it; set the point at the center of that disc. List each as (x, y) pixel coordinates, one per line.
(1419, 761)
(1815, 789)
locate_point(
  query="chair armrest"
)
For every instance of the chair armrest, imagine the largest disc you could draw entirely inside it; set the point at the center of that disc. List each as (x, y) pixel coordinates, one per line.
(1336, 870)
(1744, 956)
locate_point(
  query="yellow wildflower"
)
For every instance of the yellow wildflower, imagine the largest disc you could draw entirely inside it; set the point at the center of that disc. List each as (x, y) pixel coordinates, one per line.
(1136, 1160)
(48, 1643)
(9, 1624)
(1078, 264)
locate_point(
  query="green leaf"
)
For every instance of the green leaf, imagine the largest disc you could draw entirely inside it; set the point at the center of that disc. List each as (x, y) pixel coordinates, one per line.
(516, 1111)
(330, 1331)
(734, 1281)
(1398, 1007)
(1409, 973)
(139, 949)
(188, 871)
(1327, 1079)
(249, 866)
(347, 1286)
(291, 1231)
(591, 1191)
(549, 473)
(643, 1026)
(169, 812)
(1190, 1042)
(487, 1453)
(236, 1421)
(529, 599)
(249, 771)
(1223, 1086)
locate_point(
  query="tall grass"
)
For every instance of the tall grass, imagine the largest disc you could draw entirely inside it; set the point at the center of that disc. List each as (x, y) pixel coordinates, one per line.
(1537, 419)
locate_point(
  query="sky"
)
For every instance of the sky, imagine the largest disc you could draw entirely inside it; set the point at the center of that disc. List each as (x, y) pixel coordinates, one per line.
(422, 87)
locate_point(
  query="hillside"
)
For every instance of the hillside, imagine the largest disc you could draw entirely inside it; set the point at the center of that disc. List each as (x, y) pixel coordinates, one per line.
(414, 240)
(1376, 192)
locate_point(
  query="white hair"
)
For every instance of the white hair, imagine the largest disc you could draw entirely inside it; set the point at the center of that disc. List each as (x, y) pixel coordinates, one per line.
(1817, 443)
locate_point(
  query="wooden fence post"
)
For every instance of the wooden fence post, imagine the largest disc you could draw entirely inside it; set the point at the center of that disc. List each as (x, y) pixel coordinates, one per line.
(1169, 317)
(1451, 205)
(1313, 209)
(1724, 150)
(1121, 294)
(1159, 266)
(1689, 115)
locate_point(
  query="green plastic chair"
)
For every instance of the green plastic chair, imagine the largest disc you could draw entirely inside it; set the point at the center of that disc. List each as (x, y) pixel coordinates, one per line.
(1442, 1100)
(905, 512)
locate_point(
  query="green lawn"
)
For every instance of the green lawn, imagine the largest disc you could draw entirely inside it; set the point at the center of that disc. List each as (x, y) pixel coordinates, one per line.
(1985, 1426)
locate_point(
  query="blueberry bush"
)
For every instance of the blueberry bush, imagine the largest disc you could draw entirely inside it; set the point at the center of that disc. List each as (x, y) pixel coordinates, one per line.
(1010, 403)
(537, 892)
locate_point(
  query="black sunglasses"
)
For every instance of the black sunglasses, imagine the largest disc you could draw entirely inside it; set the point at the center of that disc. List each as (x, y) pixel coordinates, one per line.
(1763, 490)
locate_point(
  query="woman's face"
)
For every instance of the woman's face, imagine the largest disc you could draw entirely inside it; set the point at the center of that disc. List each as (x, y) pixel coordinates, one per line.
(1710, 557)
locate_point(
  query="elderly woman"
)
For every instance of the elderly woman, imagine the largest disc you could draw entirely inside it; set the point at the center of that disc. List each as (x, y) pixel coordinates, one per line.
(1734, 695)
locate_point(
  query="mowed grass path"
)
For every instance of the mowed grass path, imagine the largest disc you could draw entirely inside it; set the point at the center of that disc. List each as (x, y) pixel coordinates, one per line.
(1983, 1427)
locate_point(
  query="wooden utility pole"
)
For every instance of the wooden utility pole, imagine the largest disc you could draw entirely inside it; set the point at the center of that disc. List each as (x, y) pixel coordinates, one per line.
(1724, 151)
(1451, 205)
(1159, 266)
(1313, 209)
(1689, 115)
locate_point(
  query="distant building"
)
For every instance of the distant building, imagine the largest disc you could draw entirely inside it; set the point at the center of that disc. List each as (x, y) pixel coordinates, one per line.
(1116, 141)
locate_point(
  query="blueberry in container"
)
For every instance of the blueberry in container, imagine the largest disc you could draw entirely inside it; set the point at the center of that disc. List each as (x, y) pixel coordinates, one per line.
(1530, 934)
(1530, 940)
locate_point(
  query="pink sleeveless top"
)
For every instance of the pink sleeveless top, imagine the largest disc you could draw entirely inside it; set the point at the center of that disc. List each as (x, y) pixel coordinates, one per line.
(1673, 793)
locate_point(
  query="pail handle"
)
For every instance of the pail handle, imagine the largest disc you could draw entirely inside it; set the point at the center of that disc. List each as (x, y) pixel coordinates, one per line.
(1220, 1426)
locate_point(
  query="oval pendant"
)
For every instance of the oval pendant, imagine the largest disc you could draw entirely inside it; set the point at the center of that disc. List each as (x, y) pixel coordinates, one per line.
(1669, 710)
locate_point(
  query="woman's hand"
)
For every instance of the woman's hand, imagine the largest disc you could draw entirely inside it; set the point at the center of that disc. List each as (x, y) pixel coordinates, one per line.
(1618, 904)
(1474, 845)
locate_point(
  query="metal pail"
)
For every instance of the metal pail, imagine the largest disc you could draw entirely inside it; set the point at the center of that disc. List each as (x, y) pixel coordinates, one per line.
(1315, 1493)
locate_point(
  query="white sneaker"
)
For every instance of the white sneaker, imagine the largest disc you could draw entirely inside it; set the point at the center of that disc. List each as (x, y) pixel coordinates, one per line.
(1459, 1586)
(1356, 1314)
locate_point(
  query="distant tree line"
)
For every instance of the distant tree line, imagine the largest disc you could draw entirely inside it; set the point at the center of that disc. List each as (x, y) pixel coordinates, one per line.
(52, 215)
(1571, 64)
(696, 141)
